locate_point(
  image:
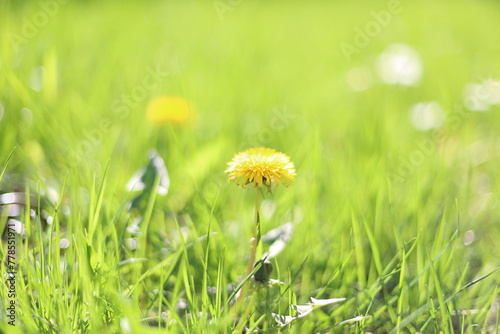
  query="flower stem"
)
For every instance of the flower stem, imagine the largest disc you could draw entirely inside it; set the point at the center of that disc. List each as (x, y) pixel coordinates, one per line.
(254, 243)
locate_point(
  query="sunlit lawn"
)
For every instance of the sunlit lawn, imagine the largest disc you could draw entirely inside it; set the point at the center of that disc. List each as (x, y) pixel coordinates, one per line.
(388, 110)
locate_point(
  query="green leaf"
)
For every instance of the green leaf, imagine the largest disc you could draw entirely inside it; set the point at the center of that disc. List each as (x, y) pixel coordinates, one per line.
(144, 180)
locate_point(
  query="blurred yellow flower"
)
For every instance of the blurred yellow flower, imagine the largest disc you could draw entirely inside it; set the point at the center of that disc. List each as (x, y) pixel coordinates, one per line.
(166, 109)
(261, 166)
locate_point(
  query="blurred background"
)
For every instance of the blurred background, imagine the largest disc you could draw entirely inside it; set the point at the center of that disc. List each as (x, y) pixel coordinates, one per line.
(359, 94)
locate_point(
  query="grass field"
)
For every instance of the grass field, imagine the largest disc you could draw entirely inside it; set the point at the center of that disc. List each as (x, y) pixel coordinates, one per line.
(389, 111)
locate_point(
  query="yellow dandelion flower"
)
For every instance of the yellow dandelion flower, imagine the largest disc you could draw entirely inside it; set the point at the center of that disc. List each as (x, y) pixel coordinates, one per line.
(169, 109)
(261, 166)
